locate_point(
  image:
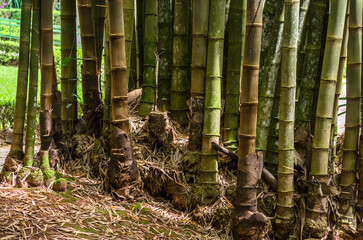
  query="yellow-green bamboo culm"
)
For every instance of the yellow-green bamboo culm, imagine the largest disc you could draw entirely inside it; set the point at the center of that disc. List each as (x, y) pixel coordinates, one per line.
(179, 89)
(212, 109)
(165, 49)
(16, 149)
(268, 83)
(249, 164)
(198, 71)
(69, 64)
(342, 63)
(317, 203)
(237, 32)
(285, 192)
(352, 118)
(148, 97)
(33, 86)
(46, 68)
(359, 206)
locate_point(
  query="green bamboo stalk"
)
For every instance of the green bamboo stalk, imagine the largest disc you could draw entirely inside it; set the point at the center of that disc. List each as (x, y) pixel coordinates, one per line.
(236, 38)
(269, 13)
(91, 88)
(129, 18)
(46, 67)
(302, 40)
(165, 49)
(33, 86)
(310, 67)
(212, 109)
(359, 206)
(140, 10)
(285, 191)
(101, 5)
(69, 64)
(16, 149)
(316, 217)
(304, 7)
(179, 88)
(133, 65)
(198, 71)
(271, 158)
(352, 119)
(342, 62)
(268, 84)
(150, 57)
(107, 77)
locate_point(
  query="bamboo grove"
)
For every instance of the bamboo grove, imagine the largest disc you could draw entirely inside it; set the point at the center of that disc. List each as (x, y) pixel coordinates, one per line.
(258, 81)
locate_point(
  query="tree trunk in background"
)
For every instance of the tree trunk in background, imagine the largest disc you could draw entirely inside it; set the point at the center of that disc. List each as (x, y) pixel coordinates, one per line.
(317, 205)
(92, 108)
(198, 71)
(310, 67)
(179, 89)
(46, 59)
(236, 38)
(69, 64)
(129, 18)
(122, 167)
(140, 23)
(150, 57)
(285, 193)
(249, 163)
(33, 86)
(16, 150)
(268, 83)
(107, 77)
(352, 117)
(165, 49)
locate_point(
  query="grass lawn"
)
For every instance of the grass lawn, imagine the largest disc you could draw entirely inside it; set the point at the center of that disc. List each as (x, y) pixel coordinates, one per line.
(8, 78)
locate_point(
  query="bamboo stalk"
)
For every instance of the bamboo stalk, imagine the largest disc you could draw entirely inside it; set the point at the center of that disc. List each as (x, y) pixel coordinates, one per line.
(179, 88)
(165, 49)
(33, 86)
(236, 38)
(316, 217)
(107, 76)
(310, 67)
(46, 67)
(22, 81)
(90, 75)
(249, 165)
(352, 119)
(268, 83)
(69, 64)
(198, 71)
(212, 109)
(285, 191)
(150, 57)
(129, 18)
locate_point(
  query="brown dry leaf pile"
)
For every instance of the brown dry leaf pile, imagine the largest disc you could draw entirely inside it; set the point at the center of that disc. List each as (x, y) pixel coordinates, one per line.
(83, 213)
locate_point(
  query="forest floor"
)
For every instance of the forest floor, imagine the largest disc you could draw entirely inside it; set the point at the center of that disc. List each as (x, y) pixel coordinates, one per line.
(87, 211)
